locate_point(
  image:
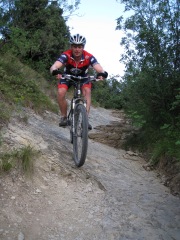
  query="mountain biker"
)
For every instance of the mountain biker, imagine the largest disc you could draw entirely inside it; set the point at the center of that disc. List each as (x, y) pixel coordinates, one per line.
(76, 62)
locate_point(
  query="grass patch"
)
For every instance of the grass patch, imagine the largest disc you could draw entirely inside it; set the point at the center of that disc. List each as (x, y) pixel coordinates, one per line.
(22, 158)
(22, 86)
(26, 157)
(5, 113)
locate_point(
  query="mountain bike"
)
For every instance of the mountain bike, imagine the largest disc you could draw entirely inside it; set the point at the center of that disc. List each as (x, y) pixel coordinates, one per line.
(77, 118)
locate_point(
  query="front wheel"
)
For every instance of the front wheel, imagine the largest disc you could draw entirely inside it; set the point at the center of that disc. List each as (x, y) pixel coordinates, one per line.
(80, 136)
(70, 124)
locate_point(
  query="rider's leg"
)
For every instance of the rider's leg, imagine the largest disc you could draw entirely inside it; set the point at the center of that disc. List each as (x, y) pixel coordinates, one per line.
(87, 95)
(62, 101)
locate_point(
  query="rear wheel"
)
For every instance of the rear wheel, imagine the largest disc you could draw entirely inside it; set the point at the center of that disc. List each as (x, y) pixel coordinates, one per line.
(80, 137)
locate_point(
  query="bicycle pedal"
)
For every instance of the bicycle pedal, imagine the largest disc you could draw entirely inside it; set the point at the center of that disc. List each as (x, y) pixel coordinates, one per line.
(63, 126)
(89, 127)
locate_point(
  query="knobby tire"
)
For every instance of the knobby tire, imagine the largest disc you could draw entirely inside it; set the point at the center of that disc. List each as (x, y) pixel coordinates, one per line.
(80, 137)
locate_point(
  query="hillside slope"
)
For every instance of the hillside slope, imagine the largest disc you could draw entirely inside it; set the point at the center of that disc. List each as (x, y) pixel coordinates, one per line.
(111, 197)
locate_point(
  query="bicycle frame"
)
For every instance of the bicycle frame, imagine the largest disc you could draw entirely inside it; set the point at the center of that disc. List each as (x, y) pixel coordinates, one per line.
(77, 98)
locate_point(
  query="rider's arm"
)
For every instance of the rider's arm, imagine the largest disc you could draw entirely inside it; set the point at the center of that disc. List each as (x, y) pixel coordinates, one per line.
(59, 63)
(99, 69)
(56, 66)
(94, 63)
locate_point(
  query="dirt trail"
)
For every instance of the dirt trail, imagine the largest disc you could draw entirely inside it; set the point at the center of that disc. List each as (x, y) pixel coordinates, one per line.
(111, 197)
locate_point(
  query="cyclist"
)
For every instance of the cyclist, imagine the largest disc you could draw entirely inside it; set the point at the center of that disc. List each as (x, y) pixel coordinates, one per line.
(76, 62)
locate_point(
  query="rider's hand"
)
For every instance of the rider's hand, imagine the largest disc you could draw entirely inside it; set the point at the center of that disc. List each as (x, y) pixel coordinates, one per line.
(102, 76)
(57, 73)
(58, 76)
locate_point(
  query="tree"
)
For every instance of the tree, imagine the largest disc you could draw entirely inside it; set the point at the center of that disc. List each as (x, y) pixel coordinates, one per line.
(151, 82)
(35, 29)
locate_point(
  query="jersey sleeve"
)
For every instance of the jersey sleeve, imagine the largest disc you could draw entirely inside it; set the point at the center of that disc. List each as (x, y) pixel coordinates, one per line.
(93, 60)
(62, 58)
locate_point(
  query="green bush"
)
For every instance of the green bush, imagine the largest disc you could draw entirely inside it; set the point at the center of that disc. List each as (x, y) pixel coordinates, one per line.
(107, 94)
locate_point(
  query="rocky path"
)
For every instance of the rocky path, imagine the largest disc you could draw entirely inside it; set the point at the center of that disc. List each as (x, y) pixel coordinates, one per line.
(111, 197)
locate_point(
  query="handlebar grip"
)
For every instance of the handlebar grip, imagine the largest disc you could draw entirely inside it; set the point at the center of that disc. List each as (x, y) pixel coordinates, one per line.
(56, 72)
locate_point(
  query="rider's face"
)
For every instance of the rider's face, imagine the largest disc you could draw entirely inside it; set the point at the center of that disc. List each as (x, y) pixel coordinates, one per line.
(77, 49)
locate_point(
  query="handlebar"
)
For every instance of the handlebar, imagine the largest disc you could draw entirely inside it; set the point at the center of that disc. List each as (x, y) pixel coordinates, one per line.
(77, 78)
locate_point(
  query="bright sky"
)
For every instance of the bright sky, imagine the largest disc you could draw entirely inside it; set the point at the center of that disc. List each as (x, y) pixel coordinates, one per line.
(98, 23)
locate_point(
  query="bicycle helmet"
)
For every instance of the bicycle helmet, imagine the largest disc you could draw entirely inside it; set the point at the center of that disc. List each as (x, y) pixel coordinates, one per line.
(77, 39)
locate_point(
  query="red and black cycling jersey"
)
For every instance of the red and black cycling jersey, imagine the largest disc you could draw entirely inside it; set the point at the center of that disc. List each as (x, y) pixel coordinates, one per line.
(80, 69)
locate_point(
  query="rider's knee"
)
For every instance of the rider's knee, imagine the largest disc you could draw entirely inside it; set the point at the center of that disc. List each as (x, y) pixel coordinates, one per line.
(87, 92)
(62, 93)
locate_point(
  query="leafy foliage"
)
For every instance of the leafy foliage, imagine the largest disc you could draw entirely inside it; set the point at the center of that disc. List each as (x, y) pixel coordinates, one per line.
(108, 93)
(151, 82)
(35, 30)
